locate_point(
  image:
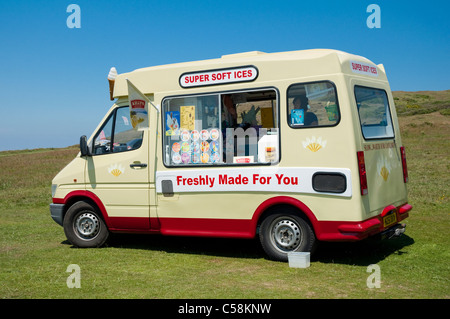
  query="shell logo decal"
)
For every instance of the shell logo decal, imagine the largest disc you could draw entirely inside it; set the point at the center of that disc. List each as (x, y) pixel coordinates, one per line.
(116, 169)
(314, 144)
(384, 168)
(384, 172)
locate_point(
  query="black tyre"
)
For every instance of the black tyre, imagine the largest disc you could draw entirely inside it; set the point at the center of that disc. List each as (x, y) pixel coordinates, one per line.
(282, 233)
(84, 226)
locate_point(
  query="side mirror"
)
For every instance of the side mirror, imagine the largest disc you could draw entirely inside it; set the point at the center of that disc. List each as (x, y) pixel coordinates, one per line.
(84, 149)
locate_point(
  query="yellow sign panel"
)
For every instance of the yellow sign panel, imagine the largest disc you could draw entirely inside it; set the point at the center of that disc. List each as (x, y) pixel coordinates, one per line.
(187, 117)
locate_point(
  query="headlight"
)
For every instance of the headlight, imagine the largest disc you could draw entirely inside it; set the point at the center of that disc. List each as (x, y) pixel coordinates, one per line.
(54, 187)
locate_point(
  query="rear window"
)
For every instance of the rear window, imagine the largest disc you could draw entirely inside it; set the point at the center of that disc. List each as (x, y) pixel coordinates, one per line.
(374, 113)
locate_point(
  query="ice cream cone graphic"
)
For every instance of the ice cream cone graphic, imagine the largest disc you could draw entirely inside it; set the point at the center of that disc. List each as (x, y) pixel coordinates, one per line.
(111, 79)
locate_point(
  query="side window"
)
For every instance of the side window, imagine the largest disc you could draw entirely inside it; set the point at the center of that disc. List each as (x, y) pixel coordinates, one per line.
(374, 113)
(225, 128)
(125, 137)
(103, 139)
(117, 134)
(312, 105)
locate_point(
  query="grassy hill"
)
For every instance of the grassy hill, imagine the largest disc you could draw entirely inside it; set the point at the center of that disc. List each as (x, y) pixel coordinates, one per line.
(34, 253)
(422, 102)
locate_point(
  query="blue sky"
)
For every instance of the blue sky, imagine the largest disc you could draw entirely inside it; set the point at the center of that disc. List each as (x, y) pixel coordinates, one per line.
(53, 78)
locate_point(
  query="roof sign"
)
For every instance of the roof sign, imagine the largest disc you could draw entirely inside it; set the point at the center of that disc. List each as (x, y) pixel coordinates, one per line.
(217, 77)
(363, 68)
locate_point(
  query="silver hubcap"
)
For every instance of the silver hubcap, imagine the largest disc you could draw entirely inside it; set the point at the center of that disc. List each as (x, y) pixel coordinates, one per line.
(285, 234)
(87, 225)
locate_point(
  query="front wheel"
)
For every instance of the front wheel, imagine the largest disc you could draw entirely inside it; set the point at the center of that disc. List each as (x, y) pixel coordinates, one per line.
(84, 226)
(283, 233)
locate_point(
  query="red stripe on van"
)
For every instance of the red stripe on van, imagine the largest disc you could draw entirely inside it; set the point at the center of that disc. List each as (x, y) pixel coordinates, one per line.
(237, 228)
(207, 227)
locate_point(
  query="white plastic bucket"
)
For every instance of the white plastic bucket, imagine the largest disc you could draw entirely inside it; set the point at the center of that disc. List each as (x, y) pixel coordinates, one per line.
(299, 259)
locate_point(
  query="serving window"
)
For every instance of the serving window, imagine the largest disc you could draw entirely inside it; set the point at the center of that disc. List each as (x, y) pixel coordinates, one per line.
(222, 128)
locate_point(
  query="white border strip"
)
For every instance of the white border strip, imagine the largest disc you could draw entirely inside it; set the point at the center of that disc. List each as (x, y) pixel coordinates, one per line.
(264, 179)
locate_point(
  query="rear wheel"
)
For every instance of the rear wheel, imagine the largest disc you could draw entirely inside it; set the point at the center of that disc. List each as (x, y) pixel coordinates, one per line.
(282, 233)
(84, 226)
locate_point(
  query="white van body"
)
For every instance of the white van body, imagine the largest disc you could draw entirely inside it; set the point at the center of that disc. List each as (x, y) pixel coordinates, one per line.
(295, 147)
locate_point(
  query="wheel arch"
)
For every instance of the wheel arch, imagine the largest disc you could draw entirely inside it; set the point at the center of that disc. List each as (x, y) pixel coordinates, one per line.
(270, 205)
(88, 197)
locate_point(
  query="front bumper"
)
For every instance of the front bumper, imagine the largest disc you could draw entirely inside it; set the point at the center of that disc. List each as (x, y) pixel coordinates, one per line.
(57, 213)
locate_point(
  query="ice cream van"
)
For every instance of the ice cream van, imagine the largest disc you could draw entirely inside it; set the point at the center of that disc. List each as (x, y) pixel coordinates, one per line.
(293, 148)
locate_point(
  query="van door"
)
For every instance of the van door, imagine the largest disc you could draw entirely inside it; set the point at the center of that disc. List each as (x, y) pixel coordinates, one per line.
(381, 146)
(117, 171)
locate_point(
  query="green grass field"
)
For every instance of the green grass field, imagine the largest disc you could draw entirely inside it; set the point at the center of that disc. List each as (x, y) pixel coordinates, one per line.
(34, 254)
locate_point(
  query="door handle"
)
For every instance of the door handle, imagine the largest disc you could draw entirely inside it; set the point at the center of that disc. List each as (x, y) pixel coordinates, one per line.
(142, 165)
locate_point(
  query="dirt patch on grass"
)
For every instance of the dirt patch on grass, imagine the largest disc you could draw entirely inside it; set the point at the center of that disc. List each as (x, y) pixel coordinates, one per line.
(435, 121)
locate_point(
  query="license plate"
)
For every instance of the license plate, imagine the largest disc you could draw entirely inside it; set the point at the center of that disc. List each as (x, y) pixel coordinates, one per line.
(389, 220)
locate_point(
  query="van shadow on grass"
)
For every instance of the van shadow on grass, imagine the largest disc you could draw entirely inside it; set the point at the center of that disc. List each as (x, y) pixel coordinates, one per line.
(220, 247)
(362, 253)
